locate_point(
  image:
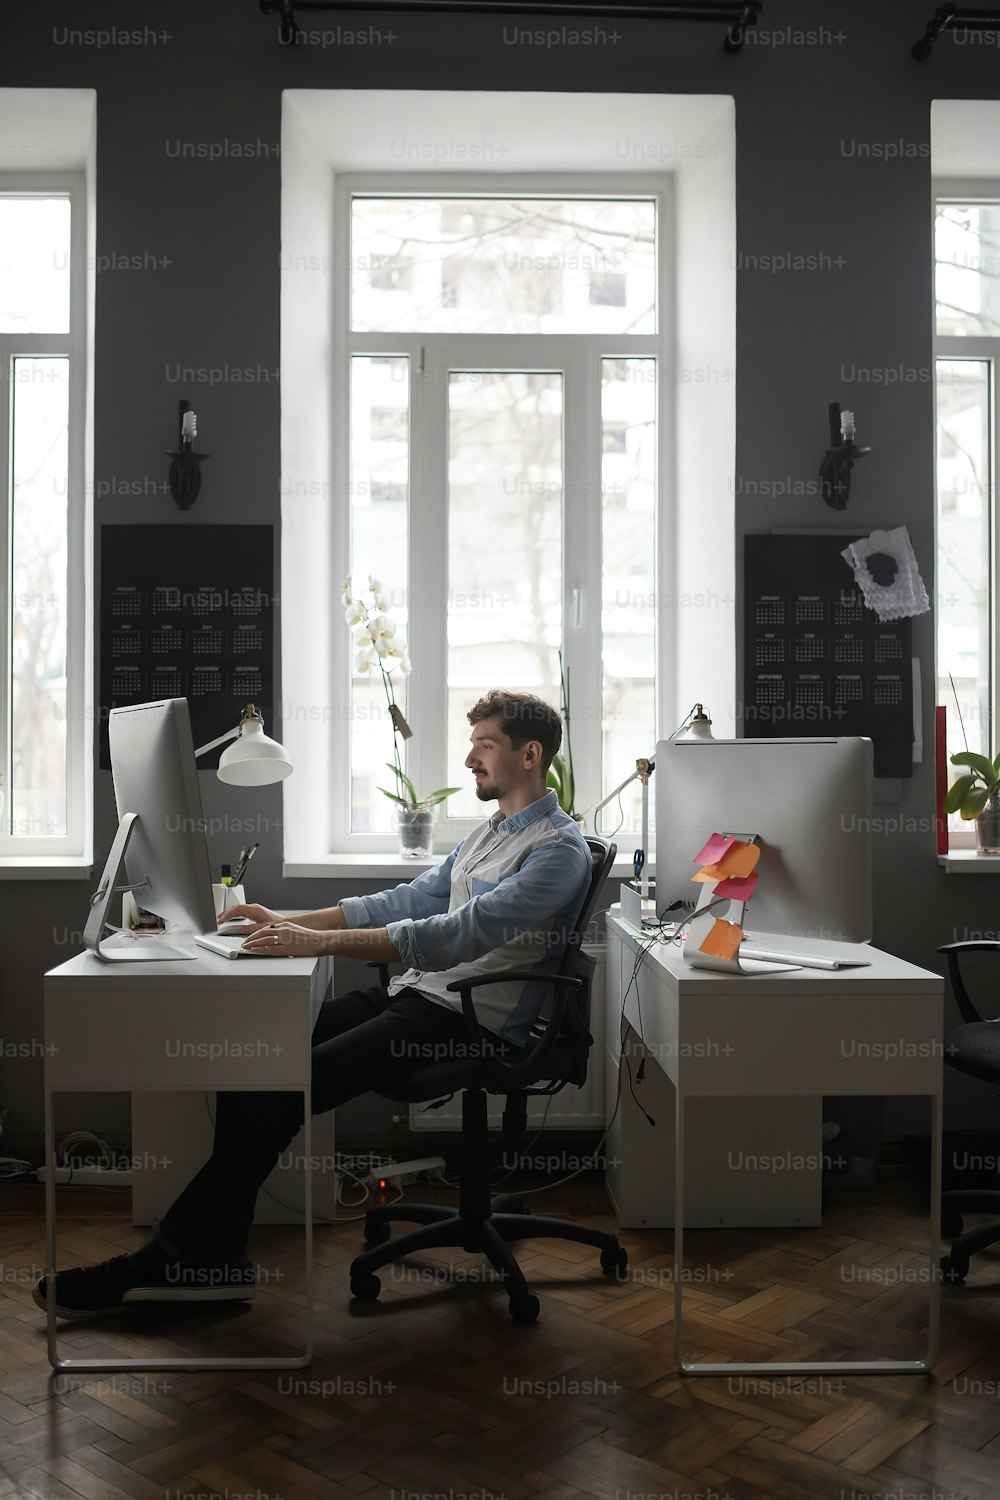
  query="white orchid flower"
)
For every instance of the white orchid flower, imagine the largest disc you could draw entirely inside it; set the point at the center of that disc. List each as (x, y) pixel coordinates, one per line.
(405, 665)
(364, 661)
(381, 600)
(373, 582)
(345, 592)
(382, 626)
(354, 614)
(363, 641)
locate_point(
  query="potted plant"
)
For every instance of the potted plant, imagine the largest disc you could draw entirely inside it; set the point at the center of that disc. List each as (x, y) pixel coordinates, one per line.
(976, 797)
(378, 645)
(560, 777)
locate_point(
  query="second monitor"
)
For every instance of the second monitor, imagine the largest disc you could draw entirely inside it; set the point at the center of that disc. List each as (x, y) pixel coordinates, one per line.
(810, 802)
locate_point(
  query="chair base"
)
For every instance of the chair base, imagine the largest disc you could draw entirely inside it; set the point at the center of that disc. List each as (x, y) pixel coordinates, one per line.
(955, 1265)
(487, 1235)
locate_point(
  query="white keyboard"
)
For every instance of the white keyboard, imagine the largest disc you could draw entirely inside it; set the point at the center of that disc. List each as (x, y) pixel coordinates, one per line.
(228, 947)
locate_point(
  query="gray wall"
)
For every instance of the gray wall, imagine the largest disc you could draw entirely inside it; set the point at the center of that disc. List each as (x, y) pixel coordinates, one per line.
(802, 104)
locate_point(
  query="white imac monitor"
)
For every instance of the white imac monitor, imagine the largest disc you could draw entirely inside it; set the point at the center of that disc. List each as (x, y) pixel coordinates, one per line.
(161, 832)
(810, 802)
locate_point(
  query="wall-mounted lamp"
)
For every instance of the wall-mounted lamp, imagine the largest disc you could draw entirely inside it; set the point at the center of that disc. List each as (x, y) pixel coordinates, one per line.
(839, 459)
(952, 17)
(255, 759)
(185, 471)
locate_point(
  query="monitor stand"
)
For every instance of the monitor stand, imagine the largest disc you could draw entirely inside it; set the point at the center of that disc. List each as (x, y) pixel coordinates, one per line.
(148, 950)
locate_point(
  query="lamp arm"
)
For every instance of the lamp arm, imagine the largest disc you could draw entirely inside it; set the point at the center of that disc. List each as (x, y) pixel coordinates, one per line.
(230, 734)
(612, 795)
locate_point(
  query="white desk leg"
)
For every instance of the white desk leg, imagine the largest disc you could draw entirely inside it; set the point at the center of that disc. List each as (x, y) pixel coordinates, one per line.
(195, 1362)
(833, 1366)
(50, 1226)
(679, 1230)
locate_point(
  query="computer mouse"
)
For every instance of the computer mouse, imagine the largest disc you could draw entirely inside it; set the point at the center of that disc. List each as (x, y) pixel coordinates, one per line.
(237, 925)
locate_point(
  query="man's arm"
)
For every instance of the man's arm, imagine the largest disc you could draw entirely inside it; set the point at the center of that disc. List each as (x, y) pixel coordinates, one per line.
(552, 878)
(426, 895)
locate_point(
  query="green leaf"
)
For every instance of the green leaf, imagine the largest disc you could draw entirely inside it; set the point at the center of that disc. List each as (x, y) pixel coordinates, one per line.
(393, 798)
(957, 793)
(401, 776)
(439, 796)
(978, 763)
(974, 805)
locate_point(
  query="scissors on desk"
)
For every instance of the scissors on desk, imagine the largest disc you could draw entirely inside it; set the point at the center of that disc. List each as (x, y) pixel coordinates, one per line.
(638, 860)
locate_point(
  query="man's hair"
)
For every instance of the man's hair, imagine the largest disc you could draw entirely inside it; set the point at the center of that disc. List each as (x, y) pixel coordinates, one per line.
(524, 717)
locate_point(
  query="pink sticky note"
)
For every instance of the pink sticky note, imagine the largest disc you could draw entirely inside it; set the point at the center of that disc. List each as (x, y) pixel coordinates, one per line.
(714, 849)
(738, 888)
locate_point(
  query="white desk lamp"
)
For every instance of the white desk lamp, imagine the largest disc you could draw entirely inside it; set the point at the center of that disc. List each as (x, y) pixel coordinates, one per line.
(696, 726)
(254, 760)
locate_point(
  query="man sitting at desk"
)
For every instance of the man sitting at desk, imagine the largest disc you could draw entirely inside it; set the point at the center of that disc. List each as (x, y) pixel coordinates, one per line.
(505, 898)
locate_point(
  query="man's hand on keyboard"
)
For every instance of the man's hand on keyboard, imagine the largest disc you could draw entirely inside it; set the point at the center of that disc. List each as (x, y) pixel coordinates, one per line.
(282, 938)
(260, 915)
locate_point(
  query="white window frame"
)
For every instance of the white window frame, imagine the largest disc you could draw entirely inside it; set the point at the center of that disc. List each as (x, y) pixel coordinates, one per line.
(22, 853)
(579, 357)
(981, 349)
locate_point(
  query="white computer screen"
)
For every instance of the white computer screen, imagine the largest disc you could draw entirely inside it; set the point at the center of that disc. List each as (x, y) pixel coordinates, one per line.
(810, 803)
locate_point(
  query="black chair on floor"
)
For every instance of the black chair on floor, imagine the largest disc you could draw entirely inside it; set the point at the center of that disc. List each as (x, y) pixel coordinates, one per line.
(557, 1055)
(973, 1048)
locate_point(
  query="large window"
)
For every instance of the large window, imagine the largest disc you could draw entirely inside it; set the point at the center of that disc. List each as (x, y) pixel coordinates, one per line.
(501, 370)
(967, 347)
(42, 519)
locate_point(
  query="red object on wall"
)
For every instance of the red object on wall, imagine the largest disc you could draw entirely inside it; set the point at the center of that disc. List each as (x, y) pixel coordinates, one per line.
(941, 775)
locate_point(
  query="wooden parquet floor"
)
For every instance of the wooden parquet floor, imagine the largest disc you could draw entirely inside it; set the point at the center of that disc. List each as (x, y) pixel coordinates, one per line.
(433, 1394)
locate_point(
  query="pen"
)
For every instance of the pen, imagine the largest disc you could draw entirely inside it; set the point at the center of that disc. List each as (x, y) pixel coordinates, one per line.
(242, 869)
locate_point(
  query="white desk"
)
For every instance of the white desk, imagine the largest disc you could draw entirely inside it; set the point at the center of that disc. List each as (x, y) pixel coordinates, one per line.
(213, 1023)
(805, 1033)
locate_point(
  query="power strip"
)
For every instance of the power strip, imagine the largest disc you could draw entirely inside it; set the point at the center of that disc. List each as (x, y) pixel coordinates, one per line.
(87, 1176)
(396, 1173)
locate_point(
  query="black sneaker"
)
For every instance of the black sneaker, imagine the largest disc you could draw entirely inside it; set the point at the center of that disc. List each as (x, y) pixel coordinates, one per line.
(148, 1275)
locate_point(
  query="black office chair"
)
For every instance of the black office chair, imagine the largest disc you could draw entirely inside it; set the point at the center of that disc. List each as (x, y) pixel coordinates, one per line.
(557, 1055)
(973, 1048)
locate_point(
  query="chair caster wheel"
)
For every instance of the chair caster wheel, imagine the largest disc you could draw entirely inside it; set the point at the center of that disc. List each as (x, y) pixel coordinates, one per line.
(365, 1287)
(954, 1268)
(524, 1309)
(952, 1223)
(377, 1233)
(613, 1262)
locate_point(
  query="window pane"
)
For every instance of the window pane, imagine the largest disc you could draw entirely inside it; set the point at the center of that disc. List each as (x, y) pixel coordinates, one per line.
(967, 279)
(38, 597)
(34, 264)
(494, 265)
(379, 495)
(504, 548)
(964, 485)
(628, 543)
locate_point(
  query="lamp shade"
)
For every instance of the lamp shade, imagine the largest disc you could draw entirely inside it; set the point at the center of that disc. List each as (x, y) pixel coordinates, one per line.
(253, 759)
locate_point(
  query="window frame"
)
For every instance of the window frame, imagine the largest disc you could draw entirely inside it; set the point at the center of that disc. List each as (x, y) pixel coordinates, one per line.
(579, 356)
(980, 349)
(19, 853)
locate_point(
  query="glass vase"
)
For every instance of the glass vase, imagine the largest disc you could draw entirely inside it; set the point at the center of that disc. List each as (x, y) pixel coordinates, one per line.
(988, 829)
(416, 831)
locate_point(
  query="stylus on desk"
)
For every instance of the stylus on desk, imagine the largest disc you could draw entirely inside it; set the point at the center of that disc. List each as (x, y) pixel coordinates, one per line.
(805, 961)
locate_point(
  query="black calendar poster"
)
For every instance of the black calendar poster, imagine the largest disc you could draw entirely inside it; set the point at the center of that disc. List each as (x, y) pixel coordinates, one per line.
(188, 612)
(817, 661)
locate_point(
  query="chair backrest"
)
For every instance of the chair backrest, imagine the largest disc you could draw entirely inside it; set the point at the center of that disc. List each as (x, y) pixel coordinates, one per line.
(578, 964)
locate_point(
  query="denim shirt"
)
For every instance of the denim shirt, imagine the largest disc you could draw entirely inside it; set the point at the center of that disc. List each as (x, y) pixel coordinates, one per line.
(505, 898)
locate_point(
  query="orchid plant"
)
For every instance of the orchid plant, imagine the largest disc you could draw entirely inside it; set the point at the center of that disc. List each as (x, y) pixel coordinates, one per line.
(379, 646)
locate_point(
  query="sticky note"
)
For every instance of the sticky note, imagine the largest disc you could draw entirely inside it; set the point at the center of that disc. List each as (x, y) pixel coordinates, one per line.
(714, 849)
(723, 940)
(740, 859)
(740, 888)
(708, 872)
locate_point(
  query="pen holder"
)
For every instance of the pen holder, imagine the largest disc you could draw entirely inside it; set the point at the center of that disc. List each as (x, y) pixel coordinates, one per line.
(226, 896)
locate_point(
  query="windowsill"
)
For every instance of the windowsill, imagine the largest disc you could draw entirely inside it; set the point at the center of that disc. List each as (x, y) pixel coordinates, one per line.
(969, 862)
(387, 864)
(45, 867)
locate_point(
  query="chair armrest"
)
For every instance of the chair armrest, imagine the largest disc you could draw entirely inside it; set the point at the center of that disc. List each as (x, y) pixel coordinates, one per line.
(510, 1077)
(952, 952)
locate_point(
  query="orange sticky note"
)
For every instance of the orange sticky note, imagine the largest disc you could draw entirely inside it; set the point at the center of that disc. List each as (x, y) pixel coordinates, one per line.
(709, 872)
(739, 860)
(723, 940)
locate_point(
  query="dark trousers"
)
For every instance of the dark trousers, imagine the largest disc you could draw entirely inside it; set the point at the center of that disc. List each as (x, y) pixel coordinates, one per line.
(362, 1040)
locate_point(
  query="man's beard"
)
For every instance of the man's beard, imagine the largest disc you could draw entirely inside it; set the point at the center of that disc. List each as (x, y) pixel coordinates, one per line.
(487, 791)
